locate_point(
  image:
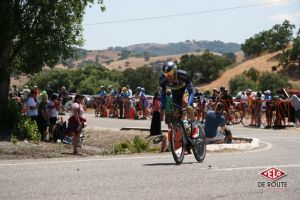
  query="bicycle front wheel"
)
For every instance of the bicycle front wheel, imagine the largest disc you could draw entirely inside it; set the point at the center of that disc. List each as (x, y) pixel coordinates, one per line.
(177, 143)
(199, 149)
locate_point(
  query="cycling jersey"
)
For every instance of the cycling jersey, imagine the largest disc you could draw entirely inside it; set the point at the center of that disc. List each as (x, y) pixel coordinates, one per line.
(182, 82)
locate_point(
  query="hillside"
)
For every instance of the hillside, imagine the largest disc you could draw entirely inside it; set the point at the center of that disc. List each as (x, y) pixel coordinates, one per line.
(262, 63)
(141, 51)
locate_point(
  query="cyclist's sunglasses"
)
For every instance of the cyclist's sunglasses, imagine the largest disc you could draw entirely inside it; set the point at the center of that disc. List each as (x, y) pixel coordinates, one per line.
(169, 74)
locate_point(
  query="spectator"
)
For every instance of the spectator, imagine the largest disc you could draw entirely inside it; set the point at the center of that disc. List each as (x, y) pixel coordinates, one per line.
(64, 98)
(32, 106)
(76, 121)
(16, 92)
(129, 91)
(226, 99)
(169, 115)
(144, 103)
(269, 110)
(215, 126)
(258, 109)
(201, 103)
(102, 101)
(250, 106)
(52, 110)
(122, 98)
(156, 120)
(26, 93)
(215, 95)
(49, 91)
(295, 101)
(43, 117)
(36, 91)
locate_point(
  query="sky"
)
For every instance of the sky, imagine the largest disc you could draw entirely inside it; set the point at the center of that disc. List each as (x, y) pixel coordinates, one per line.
(193, 20)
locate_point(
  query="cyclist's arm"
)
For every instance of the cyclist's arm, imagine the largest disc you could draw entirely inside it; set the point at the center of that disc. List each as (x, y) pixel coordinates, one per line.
(191, 92)
(163, 97)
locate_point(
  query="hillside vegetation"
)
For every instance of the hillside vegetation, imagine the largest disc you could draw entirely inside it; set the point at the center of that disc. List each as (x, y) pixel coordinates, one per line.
(133, 56)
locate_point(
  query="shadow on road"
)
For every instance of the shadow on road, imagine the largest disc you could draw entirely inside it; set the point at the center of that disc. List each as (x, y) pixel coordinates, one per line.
(166, 164)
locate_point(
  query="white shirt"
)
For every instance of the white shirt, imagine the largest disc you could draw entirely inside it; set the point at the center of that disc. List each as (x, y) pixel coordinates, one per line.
(51, 109)
(80, 107)
(32, 102)
(295, 101)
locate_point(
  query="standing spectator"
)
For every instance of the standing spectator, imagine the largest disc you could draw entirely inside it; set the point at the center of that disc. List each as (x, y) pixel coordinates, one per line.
(43, 118)
(250, 106)
(295, 101)
(258, 109)
(26, 93)
(144, 103)
(215, 95)
(64, 97)
(36, 91)
(52, 110)
(32, 106)
(243, 103)
(226, 99)
(156, 120)
(122, 97)
(102, 101)
(201, 101)
(49, 91)
(169, 115)
(76, 121)
(16, 92)
(129, 91)
(269, 109)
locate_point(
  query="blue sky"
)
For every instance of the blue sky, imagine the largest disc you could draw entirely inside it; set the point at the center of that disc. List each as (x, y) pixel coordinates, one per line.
(234, 25)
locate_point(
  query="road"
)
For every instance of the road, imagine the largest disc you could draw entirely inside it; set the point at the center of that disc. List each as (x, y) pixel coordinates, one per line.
(155, 176)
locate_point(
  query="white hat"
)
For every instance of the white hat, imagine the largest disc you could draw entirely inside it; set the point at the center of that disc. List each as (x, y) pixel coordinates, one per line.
(268, 92)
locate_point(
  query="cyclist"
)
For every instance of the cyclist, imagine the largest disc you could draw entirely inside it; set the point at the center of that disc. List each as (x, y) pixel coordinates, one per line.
(178, 81)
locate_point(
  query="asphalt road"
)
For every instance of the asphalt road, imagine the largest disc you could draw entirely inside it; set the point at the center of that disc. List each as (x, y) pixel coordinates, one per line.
(155, 176)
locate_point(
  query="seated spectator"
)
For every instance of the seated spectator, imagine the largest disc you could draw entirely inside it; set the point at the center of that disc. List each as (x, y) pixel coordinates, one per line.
(215, 126)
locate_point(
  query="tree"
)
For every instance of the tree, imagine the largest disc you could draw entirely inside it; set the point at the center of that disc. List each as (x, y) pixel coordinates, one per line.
(281, 36)
(240, 83)
(271, 81)
(34, 34)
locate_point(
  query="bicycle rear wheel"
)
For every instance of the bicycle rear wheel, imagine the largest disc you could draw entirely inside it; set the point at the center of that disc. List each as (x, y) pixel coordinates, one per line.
(199, 149)
(246, 119)
(235, 117)
(177, 143)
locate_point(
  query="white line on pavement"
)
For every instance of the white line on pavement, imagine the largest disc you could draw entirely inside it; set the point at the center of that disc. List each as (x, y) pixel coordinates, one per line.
(256, 167)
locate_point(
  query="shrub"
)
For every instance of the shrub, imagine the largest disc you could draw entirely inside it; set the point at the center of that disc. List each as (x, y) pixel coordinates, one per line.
(137, 145)
(27, 129)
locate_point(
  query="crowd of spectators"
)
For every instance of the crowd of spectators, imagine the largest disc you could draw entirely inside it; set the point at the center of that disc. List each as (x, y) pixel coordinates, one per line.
(44, 106)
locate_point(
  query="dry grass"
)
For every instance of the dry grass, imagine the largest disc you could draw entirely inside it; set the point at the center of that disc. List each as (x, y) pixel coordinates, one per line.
(262, 63)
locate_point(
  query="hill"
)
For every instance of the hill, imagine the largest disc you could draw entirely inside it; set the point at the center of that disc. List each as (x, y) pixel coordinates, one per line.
(146, 51)
(181, 47)
(262, 63)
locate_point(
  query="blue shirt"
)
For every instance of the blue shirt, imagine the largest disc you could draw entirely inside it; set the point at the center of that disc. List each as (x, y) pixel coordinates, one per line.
(212, 121)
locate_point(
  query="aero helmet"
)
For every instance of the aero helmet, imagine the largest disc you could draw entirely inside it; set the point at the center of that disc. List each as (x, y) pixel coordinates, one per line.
(169, 66)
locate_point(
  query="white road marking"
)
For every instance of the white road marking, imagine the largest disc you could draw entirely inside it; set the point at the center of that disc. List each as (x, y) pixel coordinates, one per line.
(256, 167)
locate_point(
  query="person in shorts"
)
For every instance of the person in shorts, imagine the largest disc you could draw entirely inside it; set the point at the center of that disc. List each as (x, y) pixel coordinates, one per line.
(52, 112)
(215, 126)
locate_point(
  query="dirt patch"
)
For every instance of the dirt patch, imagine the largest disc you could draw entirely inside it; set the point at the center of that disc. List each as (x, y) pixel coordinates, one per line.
(96, 142)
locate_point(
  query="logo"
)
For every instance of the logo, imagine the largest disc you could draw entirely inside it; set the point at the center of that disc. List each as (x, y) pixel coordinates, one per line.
(273, 174)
